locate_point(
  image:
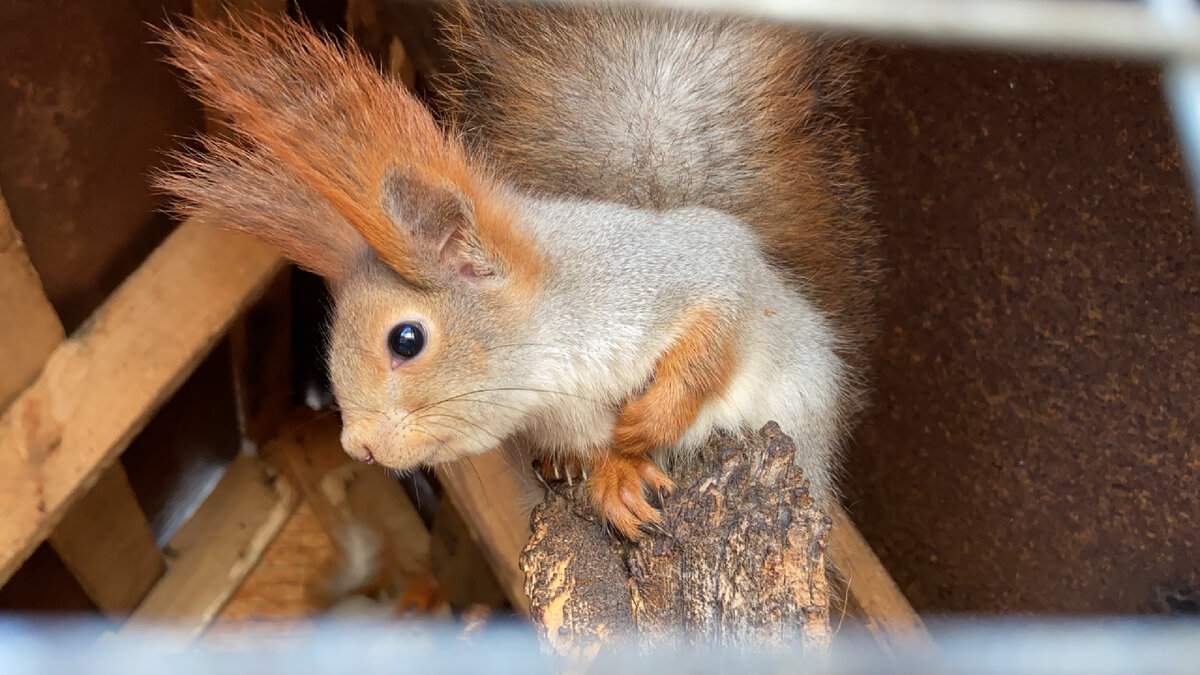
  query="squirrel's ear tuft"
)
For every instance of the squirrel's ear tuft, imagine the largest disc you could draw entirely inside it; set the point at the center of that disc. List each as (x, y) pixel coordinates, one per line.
(247, 188)
(330, 158)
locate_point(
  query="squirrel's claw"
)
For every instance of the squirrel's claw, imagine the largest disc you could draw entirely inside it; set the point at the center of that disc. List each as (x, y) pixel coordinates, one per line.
(618, 488)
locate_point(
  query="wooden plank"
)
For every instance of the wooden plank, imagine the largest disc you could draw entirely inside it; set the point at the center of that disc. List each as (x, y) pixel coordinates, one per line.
(461, 568)
(101, 385)
(29, 328)
(211, 555)
(880, 605)
(492, 498)
(282, 583)
(307, 450)
(484, 489)
(278, 594)
(106, 543)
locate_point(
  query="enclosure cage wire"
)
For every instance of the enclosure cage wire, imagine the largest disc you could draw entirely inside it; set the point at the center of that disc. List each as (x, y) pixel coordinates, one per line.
(1166, 32)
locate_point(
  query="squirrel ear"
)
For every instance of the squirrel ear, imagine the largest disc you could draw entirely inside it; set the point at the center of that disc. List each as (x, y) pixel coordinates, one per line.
(439, 221)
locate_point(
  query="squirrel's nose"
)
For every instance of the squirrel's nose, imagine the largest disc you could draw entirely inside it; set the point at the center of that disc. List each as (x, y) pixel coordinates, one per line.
(357, 448)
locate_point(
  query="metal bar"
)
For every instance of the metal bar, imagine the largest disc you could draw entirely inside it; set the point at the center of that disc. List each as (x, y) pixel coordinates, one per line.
(1183, 90)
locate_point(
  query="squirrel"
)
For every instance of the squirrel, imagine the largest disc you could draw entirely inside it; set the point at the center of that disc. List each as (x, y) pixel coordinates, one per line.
(635, 228)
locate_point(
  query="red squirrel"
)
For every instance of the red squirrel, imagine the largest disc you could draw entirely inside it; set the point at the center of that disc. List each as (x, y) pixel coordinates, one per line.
(640, 228)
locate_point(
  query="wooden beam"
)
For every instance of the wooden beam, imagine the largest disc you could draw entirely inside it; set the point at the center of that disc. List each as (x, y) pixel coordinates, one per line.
(492, 497)
(460, 565)
(261, 341)
(484, 489)
(215, 550)
(105, 541)
(100, 387)
(879, 604)
(29, 327)
(308, 450)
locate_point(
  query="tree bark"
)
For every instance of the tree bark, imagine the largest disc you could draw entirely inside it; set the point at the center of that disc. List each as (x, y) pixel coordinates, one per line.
(743, 564)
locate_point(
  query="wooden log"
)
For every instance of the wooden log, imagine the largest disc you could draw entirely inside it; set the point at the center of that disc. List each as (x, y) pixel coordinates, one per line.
(215, 550)
(99, 387)
(743, 563)
(105, 540)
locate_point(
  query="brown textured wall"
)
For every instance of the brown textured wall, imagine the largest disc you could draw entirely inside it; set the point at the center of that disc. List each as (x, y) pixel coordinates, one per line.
(85, 108)
(1035, 440)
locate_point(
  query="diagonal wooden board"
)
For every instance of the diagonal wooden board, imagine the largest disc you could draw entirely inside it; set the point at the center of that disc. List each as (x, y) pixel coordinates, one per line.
(105, 540)
(100, 387)
(29, 327)
(215, 550)
(880, 606)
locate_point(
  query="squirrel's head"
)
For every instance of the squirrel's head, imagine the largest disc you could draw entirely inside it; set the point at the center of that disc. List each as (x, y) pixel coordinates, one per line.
(347, 175)
(426, 373)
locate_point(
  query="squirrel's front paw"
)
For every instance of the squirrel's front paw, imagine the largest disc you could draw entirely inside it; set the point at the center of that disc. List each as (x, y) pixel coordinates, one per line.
(618, 485)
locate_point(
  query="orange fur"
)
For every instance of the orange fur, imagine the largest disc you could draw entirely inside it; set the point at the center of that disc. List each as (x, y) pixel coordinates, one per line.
(695, 368)
(320, 120)
(617, 488)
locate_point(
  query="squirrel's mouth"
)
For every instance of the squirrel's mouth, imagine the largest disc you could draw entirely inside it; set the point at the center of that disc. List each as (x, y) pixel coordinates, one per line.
(374, 441)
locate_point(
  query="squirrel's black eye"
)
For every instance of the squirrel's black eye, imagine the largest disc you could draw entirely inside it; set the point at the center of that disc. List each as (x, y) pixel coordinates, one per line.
(406, 340)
